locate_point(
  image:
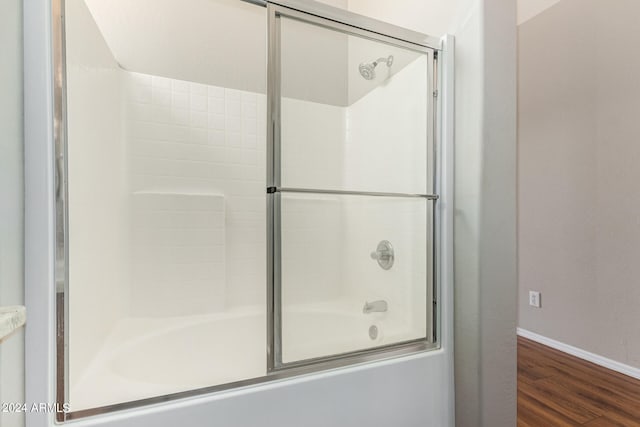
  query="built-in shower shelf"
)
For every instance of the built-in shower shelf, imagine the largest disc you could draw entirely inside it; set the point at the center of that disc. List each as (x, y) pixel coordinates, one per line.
(11, 318)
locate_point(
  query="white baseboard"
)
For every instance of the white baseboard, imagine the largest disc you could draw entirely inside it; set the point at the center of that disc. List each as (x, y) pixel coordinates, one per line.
(582, 354)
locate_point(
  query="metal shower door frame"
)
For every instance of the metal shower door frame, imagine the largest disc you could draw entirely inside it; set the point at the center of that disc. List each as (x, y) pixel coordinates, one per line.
(317, 14)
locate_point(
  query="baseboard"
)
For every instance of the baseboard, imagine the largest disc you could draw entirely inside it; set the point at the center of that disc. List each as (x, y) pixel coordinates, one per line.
(581, 354)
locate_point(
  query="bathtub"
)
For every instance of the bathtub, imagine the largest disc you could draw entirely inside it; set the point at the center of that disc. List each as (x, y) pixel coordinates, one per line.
(147, 357)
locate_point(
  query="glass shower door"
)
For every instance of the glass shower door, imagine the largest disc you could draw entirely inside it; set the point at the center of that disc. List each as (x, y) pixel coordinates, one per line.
(351, 191)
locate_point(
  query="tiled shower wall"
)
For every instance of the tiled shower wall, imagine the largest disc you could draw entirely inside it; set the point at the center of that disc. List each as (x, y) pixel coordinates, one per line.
(200, 150)
(197, 166)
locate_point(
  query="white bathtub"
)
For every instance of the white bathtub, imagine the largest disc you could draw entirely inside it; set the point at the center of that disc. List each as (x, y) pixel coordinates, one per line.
(146, 357)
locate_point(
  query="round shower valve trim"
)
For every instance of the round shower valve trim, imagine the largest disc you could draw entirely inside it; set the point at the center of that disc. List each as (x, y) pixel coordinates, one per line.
(384, 254)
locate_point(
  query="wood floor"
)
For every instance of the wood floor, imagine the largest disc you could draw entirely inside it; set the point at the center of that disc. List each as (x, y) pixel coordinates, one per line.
(556, 389)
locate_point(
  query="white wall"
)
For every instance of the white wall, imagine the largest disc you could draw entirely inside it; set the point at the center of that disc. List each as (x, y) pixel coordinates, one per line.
(11, 203)
(579, 235)
(192, 142)
(97, 190)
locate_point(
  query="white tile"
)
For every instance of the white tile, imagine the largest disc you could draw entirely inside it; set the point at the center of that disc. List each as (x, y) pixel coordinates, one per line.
(233, 108)
(233, 124)
(249, 97)
(221, 171)
(141, 94)
(198, 119)
(252, 173)
(245, 204)
(233, 172)
(179, 86)
(233, 139)
(249, 110)
(144, 165)
(216, 121)
(243, 188)
(198, 103)
(232, 94)
(179, 134)
(222, 150)
(161, 83)
(234, 155)
(214, 154)
(161, 97)
(180, 100)
(249, 141)
(161, 114)
(198, 136)
(215, 92)
(186, 168)
(216, 105)
(198, 89)
(216, 137)
(250, 157)
(180, 116)
(160, 131)
(142, 130)
(143, 112)
(249, 126)
(142, 147)
(261, 106)
(139, 78)
(262, 141)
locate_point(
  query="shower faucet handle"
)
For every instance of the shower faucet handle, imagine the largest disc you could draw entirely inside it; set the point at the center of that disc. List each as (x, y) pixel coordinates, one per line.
(381, 255)
(384, 254)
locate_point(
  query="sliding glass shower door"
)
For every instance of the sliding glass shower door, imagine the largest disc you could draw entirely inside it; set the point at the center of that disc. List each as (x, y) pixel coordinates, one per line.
(191, 164)
(351, 190)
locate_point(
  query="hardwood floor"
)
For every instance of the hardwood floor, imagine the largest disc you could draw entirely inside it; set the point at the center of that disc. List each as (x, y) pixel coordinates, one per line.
(556, 389)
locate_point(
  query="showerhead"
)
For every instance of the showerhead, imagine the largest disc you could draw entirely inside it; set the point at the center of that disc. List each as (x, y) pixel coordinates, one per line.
(368, 69)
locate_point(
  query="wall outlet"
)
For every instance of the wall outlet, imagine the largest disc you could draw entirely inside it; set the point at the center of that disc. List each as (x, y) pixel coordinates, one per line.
(534, 299)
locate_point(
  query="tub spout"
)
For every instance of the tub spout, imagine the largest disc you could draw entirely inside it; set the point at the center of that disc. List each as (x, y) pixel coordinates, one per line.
(375, 306)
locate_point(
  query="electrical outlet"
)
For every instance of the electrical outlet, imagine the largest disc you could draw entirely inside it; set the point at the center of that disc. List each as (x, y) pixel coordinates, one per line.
(534, 299)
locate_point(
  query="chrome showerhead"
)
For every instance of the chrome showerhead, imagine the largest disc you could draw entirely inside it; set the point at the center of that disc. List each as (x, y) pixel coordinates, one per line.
(368, 69)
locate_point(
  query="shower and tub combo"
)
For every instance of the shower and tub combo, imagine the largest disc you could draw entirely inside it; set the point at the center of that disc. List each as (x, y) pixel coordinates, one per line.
(239, 213)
